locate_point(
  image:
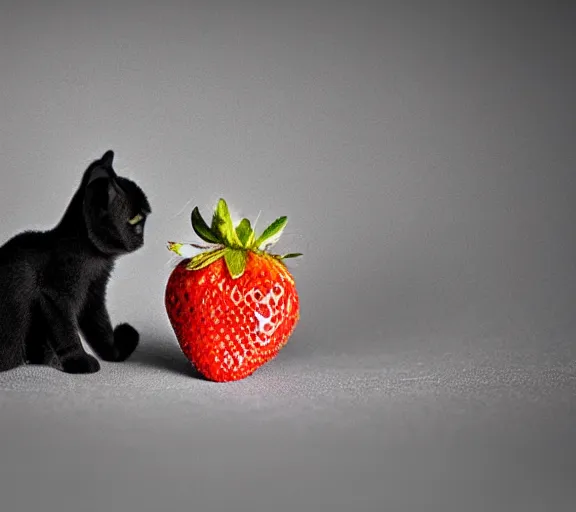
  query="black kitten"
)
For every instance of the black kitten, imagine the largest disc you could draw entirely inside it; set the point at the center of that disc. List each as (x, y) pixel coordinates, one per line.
(53, 283)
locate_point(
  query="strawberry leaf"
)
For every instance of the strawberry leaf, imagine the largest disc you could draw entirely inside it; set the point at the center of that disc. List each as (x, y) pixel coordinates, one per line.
(204, 259)
(222, 225)
(201, 228)
(245, 233)
(184, 250)
(235, 261)
(290, 255)
(272, 233)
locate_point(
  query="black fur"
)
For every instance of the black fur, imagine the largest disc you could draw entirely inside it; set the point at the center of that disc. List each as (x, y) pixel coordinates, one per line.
(53, 283)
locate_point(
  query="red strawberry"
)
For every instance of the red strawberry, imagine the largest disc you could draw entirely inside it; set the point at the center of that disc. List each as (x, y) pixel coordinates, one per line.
(234, 306)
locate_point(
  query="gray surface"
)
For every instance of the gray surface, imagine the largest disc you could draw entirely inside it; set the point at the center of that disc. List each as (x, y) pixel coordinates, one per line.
(424, 154)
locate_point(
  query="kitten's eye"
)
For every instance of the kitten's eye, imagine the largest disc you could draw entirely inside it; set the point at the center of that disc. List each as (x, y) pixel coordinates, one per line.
(136, 219)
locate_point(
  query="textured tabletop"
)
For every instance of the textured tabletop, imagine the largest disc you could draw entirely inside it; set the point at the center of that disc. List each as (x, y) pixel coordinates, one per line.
(423, 152)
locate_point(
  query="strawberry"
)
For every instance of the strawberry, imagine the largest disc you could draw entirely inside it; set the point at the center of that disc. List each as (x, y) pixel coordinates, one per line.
(233, 306)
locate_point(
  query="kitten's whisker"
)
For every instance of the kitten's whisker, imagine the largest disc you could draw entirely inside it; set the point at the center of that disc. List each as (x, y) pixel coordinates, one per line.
(256, 221)
(172, 262)
(183, 208)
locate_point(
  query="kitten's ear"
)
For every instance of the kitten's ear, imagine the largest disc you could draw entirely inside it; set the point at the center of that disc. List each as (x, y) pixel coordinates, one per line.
(97, 172)
(114, 190)
(113, 187)
(102, 172)
(107, 158)
(101, 168)
(100, 196)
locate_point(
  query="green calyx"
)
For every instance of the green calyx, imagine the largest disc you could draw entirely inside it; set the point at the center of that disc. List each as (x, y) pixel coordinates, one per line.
(231, 242)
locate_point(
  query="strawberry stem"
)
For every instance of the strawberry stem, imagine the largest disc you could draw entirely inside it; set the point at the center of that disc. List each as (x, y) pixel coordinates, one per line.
(232, 243)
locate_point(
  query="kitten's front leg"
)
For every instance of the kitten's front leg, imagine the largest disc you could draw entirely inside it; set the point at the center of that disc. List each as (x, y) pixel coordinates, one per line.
(64, 339)
(110, 344)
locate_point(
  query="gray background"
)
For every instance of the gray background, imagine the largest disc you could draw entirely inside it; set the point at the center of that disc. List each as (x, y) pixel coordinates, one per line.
(424, 153)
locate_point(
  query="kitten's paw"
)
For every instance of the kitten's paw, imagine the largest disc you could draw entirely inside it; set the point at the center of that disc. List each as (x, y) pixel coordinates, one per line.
(125, 341)
(80, 363)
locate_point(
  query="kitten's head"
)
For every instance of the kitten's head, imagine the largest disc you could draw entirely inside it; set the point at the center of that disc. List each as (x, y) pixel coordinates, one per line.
(114, 208)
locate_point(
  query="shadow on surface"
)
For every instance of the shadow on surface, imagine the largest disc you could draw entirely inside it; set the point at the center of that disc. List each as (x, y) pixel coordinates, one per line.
(164, 355)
